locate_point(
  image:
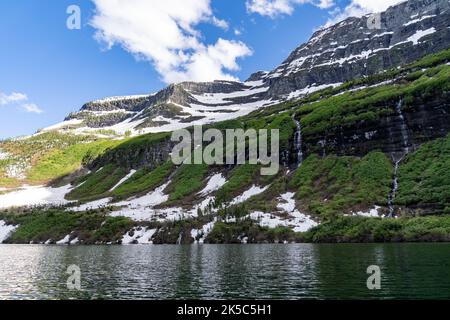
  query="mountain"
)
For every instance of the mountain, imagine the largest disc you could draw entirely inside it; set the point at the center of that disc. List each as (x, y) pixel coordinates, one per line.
(364, 121)
(334, 55)
(177, 106)
(351, 50)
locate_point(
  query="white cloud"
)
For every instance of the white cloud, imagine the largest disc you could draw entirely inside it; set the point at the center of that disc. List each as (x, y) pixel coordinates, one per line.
(164, 32)
(274, 8)
(12, 98)
(21, 99)
(358, 8)
(32, 108)
(374, 6)
(220, 23)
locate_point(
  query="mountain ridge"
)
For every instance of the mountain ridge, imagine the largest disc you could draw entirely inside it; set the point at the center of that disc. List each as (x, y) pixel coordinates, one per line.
(332, 56)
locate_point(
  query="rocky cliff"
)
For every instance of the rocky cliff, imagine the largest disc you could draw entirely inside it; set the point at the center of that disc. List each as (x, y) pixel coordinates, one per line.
(353, 48)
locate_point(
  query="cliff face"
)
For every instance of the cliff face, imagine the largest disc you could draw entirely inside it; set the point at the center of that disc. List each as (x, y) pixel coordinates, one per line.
(350, 49)
(419, 121)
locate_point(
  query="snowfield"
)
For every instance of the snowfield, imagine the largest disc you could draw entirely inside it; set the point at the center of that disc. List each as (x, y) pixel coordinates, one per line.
(311, 89)
(34, 196)
(143, 208)
(97, 204)
(224, 98)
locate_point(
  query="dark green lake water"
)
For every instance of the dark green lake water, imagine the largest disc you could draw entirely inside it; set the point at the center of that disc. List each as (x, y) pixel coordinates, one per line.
(303, 271)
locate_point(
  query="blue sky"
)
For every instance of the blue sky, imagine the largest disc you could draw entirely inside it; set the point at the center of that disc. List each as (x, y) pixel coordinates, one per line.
(47, 70)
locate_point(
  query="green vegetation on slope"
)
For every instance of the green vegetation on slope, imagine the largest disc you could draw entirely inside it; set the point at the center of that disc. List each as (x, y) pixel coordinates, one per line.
(424, 176)
(333, 185)
(339, 230)
(410, 72)
(64, 161)
(187, 180)
(97, 184)
(360, 229)
(239, 179)
(371, 103)
(39, 226)
(49, 155)
(144, 180)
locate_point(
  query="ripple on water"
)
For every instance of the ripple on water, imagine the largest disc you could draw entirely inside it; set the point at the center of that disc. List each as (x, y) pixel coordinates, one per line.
(226, 271)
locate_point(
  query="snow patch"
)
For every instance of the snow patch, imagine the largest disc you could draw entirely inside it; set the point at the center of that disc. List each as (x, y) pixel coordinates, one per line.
(141, 235)
(214, 184)
(65, 240)
(253, 191)
(299, 221)
(372, 213)
(93, 205)
(17, 170)
(289, 202)
(3, 155)
(200, 235)
(120, 98)
(151, 199)
(420, 34)
(253, 84)
(6, 230)
(128, 176)
(63, 124)
(310, 89)
(418, 20)
(224, 98)
(34, 196)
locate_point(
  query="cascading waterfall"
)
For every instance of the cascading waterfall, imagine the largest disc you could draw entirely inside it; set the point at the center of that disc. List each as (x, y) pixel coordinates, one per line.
(403, 127)
(298, 142)
(180, 237)
(394, 189)
(397, 158)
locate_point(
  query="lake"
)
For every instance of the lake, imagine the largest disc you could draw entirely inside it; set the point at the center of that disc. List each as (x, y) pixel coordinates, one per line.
(294, 271)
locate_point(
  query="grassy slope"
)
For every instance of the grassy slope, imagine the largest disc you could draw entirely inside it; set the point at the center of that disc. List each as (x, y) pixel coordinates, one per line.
(49, 155)
(424, 176)
(143, 181)
(188, 180)
(239, 179)
(334, 185)
(62, 162)
(39, 226)
(92, 227)
(359, 229)
(97, 185)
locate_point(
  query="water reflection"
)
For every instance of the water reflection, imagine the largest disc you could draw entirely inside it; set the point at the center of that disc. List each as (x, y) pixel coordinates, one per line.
(226, 271)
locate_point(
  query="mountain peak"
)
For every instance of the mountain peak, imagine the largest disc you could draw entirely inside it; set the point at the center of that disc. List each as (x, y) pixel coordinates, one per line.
(348, 50)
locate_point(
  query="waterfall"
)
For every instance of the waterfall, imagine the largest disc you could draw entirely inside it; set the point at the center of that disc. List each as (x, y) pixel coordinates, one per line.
(398, 157)
(394, 189)
(298, 142)
(180, 236)
(403, 127)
